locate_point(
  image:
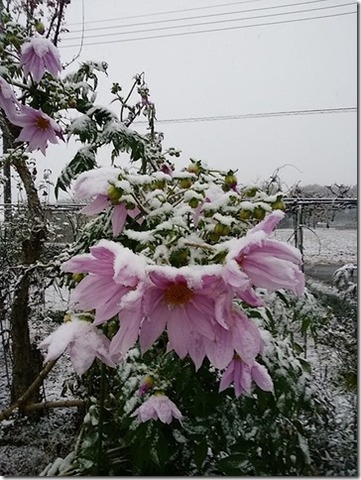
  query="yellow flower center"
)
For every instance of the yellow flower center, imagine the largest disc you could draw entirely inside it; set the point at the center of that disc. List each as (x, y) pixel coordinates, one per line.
(42, 123)
(178, 294)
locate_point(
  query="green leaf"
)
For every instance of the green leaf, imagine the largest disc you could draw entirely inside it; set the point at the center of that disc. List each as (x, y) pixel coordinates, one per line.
(298, 348)
(305, 324)
(85, 128)
(305, 365)
(233, 464)
(200, 452)
(351, 381)
(83, 161)
(163, 452)
(283, 298)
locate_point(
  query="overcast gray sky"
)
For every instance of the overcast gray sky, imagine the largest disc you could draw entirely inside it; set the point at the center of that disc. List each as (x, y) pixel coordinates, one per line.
(297, 62)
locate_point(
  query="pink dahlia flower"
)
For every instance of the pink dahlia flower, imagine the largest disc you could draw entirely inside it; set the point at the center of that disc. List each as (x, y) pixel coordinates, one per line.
(40, 55)
(38, 128)
(220, 350)
(184, 301)
(82, 340)
(246, 338)
(269, 223)
(158, 407)
(196, 349)
(95, 184)
(240, 284)
(241, 337)
(241, 375)
(267, 263)
(8, 101)
(113, 273)
(272, 265)
(130, 317)
(120, 212)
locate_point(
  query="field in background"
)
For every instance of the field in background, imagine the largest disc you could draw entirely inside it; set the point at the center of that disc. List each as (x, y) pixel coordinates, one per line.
(324, 245)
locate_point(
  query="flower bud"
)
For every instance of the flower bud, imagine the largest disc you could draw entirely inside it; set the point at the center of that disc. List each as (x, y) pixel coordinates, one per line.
(194, 168)
(259, 213)
(279, 204)
(130, 205)
(77, 277)
(114, 194)
(193, 202)
(39, 27)
(230, 179)
(208, 213)
(147, 384)
(179, 258)
(158, 185)
(244, 214)
(213, 237)
(220, 229)
(251, 192)
(185, 183)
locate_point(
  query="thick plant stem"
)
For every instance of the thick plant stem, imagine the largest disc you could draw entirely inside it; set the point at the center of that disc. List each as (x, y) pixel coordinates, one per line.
(26, 359)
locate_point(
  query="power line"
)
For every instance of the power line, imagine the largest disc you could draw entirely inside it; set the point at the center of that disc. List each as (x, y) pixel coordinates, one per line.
(168, 12)
(215, 21)
(213, 30)
(318, 111)
(199, 16)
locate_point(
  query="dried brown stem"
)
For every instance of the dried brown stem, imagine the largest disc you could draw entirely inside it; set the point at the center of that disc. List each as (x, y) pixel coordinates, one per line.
(205, 246)
(37, 382)
(55, 404)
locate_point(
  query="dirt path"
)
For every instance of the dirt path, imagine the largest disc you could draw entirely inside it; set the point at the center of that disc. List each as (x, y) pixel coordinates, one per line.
(324, 273)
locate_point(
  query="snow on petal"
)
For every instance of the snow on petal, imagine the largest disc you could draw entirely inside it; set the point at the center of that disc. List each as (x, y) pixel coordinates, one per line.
(269, 223)
(83, 341)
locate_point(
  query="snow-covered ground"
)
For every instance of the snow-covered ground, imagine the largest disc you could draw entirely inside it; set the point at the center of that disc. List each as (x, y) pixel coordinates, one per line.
(324, 245)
